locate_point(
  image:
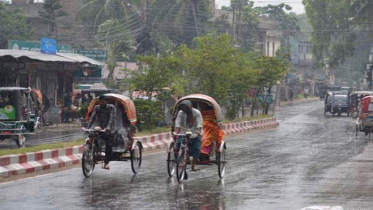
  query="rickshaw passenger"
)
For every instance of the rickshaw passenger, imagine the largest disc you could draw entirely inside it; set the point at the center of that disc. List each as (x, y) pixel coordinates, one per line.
(189, 118)
(211, 131)
(103, 115)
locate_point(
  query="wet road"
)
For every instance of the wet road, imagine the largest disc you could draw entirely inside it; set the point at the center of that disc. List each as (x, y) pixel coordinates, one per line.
(46, 135)
(309, 160)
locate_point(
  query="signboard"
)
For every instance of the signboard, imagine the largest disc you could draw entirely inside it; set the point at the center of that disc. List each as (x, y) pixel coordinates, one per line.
(35, 46)
(48, 46)
(8, 113)
(88, 75)
(95, 54)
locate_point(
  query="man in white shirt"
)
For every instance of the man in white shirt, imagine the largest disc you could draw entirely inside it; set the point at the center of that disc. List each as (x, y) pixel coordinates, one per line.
(190, 119)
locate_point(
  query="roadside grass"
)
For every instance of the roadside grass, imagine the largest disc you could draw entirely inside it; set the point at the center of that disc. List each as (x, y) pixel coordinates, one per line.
(37, 148)
(61, 145)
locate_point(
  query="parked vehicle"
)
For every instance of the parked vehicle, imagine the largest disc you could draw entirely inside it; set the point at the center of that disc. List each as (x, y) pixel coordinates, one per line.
(17, 114)
(355, 99)
(125, 147)
(365, 121)
(337, 103)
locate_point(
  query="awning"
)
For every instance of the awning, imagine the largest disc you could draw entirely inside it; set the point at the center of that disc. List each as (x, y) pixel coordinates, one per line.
(17, 54)
(59, 57)
(81, 58)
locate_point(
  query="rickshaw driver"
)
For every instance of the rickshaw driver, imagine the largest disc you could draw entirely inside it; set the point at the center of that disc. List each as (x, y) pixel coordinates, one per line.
(190, 119)
(103, 116)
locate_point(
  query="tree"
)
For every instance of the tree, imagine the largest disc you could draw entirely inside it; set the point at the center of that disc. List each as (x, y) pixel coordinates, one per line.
(270, 70)
(334, 31)
(52, 10)
(159, 73)
(95, 12)
(250, 22)
(12, 26)
(208, 66)
(115, 46)
(180, 20)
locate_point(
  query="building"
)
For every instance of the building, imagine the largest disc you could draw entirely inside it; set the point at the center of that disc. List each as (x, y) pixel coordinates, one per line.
(269, 39)
(53, 74)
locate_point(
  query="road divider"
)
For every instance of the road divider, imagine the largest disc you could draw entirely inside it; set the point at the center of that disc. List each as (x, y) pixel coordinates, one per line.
(12, 165)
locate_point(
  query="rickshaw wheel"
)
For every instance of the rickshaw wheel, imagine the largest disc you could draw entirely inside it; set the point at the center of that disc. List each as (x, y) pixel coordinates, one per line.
(181, 165)
(136, 158)
(220, 157)
(88, 162)
(20, 140)
(171, 164)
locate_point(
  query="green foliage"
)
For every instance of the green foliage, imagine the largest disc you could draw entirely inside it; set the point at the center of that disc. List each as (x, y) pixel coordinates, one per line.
(159, 73)
(180, 20)
(107, 33)
(270, 69)
(250, 23)
(209, 65)
(149, 113)
(334, 27)
(95, 12)
(12, 26)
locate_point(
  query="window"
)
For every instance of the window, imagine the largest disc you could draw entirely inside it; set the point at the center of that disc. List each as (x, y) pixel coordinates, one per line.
(273, 49)
(267, 48)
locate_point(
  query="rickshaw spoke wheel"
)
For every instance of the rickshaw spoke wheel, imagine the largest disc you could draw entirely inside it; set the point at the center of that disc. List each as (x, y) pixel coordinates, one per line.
(136, 158)
(220, 156)
(181, 165)
(171, 164)
(88, 160)
(20, 140)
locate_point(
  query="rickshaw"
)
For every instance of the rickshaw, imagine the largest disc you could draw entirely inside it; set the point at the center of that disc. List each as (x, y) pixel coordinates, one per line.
(17, 114)
(365, 120)
(355, 98)
(125, 147)
(177, 159)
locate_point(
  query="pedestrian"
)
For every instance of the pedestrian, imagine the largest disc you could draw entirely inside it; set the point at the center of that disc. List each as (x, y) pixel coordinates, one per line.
(305, 93)
(291, 94)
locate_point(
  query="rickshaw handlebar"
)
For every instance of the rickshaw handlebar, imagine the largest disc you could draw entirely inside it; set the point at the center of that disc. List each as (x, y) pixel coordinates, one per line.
(87, 130)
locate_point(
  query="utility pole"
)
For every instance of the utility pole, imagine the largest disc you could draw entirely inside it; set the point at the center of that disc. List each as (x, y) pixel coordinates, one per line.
(368, 75)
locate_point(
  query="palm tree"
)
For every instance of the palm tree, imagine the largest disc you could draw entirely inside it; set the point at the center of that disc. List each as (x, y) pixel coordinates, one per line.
(181, 20)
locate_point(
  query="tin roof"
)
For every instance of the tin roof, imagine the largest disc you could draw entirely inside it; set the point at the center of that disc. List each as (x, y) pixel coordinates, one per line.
(59, 57)
(80, 58)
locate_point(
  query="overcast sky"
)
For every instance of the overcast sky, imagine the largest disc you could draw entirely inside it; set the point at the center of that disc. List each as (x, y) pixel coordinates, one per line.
(295, 4)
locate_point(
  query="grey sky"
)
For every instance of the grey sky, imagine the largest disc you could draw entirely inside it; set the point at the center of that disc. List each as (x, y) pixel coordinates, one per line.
(295, 4)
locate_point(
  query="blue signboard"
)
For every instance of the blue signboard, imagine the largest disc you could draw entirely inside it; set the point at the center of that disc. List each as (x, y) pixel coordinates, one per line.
(48, 46)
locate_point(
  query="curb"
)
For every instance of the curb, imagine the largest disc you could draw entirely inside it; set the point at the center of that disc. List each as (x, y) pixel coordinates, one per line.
(12, 165)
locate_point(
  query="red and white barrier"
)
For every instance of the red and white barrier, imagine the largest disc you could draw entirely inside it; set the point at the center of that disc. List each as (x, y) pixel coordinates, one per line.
(11, 165)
